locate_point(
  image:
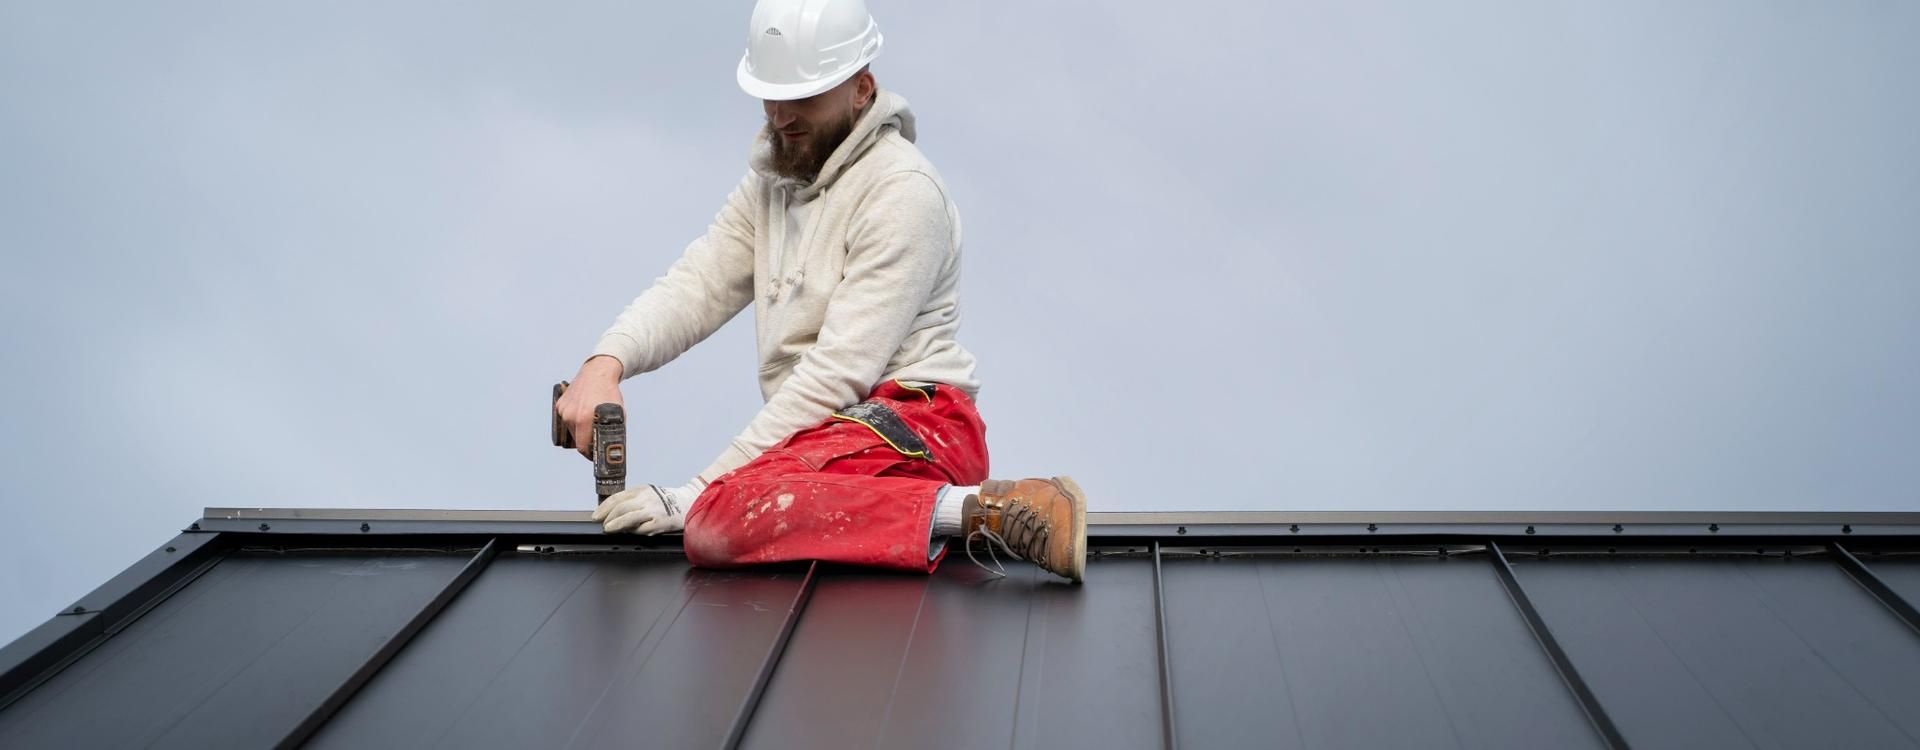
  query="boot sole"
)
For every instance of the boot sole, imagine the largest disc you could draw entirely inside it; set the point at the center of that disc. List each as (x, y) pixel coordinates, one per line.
(1079, 570)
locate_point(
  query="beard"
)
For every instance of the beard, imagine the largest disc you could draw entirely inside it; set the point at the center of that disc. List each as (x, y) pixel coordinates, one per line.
(802, 161)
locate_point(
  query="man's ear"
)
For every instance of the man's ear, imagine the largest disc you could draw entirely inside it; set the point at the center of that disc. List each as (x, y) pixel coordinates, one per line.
(864, 88)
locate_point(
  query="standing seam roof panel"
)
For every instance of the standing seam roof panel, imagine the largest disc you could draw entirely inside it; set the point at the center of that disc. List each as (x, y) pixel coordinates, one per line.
(1733, 652)
(591, 650)
(1325, 652)
(960, 659)
(264, 636)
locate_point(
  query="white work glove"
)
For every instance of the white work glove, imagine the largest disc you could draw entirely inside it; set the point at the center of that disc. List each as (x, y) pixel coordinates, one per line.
(648, 509)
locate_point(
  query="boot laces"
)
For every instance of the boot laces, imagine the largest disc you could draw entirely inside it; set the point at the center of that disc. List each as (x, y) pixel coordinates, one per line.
(1025, 530)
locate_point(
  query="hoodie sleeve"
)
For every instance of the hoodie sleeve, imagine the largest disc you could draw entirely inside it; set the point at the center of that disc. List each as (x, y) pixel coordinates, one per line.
(710, 283)
(900, 240)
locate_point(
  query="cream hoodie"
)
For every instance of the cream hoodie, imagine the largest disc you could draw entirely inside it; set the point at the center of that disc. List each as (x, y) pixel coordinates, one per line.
(854, 280)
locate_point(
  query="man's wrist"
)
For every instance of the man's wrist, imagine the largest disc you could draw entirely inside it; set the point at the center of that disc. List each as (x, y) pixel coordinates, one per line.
(601, 366)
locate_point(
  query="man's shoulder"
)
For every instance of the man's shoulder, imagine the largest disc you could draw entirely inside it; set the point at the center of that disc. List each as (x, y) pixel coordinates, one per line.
(892, 154)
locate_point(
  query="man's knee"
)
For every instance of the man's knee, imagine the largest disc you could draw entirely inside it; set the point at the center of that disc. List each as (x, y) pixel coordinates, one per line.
(713, 536)
(705, 539)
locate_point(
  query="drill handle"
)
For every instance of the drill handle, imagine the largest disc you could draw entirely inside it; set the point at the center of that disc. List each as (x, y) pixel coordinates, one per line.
(609, 449)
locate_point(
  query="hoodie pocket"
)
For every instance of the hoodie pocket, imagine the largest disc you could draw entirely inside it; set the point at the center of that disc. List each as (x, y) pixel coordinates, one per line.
(773, 374)
(780, 363)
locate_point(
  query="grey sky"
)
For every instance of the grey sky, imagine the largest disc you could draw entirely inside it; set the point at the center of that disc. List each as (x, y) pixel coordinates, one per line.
(1386, 255)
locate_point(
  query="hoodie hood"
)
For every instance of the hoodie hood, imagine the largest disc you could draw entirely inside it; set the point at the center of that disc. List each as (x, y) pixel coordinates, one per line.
(888, 112)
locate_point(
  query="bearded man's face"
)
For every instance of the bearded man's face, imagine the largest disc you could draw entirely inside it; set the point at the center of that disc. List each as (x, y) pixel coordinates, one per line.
(804, 132)
(800, 150)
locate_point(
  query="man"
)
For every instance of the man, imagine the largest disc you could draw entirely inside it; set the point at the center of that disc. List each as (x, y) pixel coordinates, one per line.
(868, 449)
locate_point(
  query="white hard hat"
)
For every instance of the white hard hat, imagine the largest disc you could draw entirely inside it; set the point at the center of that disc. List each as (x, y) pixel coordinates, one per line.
(799, 48)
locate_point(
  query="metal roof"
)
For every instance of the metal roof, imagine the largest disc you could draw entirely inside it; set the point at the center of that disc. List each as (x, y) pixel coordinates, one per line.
(357, 628)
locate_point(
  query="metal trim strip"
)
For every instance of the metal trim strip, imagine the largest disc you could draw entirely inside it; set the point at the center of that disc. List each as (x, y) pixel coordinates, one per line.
(1168, 733)
(1109, 526)
(1194, 518)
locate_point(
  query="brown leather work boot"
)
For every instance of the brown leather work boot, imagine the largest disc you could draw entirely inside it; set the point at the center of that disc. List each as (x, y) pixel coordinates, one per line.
(1043, 521)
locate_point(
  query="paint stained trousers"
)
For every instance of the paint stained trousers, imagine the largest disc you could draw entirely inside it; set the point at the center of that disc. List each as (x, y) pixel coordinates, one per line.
(840, 492)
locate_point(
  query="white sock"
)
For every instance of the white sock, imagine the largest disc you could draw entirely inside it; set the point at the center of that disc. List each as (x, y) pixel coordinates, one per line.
(947, 509)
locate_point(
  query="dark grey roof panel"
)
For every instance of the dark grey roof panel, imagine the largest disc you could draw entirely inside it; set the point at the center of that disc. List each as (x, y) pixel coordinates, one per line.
(1314, 652)
(263, 636)
(1732, 652)
(432, 686)
(688, 690)
(591, 649)
(1091, 675)
(1279, 634)
(961, 659)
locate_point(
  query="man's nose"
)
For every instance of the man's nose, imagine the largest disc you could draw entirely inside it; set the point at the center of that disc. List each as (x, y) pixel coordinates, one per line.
(780, 114)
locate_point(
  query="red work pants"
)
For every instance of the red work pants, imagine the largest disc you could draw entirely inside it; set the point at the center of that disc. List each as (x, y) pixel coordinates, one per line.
(839, 492)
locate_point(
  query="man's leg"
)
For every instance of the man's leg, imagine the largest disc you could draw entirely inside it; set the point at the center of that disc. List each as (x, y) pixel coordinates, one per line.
(840, 492)
(772, 515)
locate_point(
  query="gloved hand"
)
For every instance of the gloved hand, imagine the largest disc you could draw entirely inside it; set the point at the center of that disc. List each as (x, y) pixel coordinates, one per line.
(648, 509)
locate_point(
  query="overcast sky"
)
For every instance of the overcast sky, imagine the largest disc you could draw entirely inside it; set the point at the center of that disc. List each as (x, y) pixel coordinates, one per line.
(1250, 255)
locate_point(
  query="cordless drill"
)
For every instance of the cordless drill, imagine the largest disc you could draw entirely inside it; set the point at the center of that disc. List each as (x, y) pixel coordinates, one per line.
(609, 443)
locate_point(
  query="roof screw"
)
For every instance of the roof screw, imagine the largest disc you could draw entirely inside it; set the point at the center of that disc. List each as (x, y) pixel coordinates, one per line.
(78, 609)
(1846, 529)
(264, 527)
(1617, 528)
(195, 526)
(1529, 529)
(169, 549)
(1713, 527)
(1294, 528)
(1371, 527)
(365, 527)
(1181, 530)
